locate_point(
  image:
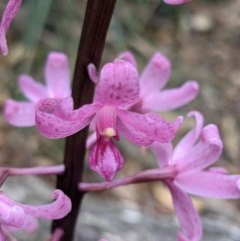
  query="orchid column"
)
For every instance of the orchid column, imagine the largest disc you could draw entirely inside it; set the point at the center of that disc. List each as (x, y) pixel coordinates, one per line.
(95, 27)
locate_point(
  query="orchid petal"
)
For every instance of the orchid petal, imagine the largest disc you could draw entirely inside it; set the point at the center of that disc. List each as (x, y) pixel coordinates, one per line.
(57, 76)
(118, 85)
(172, 98)
(105, 158)
(92, 138)
(10, 12)
(56, 210)
(191, 137)
(65, 108)
(92, 73)
(190, 222)
(209, 184)
(204, 153)
(19, 113)
(13, 215)
(163, 152)
(53, 126)
(176, 2)
(155, 75)
(33, 90)
(128, 56)
(105, 119)
(143, 129)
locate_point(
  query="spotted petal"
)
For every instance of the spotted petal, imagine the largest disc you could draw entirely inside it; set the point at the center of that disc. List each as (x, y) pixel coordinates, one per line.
(56, 210)
(143, 129)
(53, 126)
(118, 85)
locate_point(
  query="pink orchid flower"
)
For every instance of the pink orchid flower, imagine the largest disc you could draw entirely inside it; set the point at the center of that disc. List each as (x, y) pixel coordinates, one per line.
(9, 14)
(117, 88)
(153, 79)
(191, 160)
(57, 77)
(15, 216)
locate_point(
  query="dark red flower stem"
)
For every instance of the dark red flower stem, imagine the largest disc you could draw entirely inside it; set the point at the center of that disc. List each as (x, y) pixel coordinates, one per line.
(96, 23)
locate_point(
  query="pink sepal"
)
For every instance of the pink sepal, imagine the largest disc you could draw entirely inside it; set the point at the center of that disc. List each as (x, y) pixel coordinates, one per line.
(189, 219)
(19, 113)
(155, 75)
(57, 76)
(204, 153)
(171, 99)
(209, 184)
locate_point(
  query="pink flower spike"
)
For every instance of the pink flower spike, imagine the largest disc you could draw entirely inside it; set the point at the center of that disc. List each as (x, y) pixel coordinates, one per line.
(22, 114)
(105, 158)
(176, 2)
(9, 14)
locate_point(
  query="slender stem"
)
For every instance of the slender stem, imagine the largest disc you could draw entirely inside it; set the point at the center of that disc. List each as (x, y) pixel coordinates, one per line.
(5, 172)
(97, 18)
(144, 176)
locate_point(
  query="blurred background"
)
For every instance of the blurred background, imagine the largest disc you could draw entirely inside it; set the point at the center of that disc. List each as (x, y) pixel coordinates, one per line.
(202, 41)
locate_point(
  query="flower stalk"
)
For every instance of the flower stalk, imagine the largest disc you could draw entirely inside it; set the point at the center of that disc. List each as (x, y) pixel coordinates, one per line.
(151, 175)
(97, 19)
